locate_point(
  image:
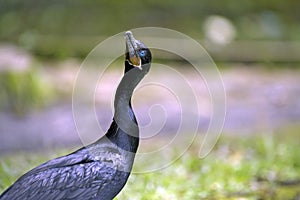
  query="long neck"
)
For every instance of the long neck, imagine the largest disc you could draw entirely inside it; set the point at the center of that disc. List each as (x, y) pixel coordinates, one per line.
(124, 131)
(124, 115)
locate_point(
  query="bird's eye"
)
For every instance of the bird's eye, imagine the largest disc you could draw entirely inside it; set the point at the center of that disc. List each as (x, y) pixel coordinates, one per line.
(142, 53)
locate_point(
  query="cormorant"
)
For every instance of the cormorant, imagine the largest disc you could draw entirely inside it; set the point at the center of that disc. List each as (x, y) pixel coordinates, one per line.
(99, 170)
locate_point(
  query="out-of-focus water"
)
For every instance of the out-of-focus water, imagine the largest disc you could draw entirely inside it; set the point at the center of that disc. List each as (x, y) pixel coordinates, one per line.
(257, 101)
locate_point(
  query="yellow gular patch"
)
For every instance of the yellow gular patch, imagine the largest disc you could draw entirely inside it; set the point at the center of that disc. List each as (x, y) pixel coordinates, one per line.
(135, 61)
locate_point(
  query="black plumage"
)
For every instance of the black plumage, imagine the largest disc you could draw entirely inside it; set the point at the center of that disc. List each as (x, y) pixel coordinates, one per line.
(100, 170)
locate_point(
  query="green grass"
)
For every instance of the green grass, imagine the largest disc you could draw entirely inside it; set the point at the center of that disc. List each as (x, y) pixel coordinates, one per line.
(251, 167)
(21, 91)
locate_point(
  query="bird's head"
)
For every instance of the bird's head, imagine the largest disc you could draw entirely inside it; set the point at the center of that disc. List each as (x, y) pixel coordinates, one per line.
(137, 53)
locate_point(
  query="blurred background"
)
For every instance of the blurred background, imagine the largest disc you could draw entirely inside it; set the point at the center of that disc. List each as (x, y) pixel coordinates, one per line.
(255, 44)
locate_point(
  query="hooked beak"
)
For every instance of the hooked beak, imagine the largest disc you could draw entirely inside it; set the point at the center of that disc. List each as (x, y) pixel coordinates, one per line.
(132, 47)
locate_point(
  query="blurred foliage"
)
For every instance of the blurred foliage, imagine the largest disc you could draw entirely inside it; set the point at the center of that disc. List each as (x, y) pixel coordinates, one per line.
(248, 167)
(22, 91)
(24, 22)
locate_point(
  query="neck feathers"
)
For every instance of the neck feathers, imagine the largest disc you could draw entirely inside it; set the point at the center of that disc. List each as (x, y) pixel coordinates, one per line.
(124, 131)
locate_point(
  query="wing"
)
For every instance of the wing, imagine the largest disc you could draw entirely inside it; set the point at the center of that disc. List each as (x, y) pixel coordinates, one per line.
(75, 176)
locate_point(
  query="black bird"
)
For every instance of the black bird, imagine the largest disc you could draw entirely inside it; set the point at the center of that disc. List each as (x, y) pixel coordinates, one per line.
(99, 170)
